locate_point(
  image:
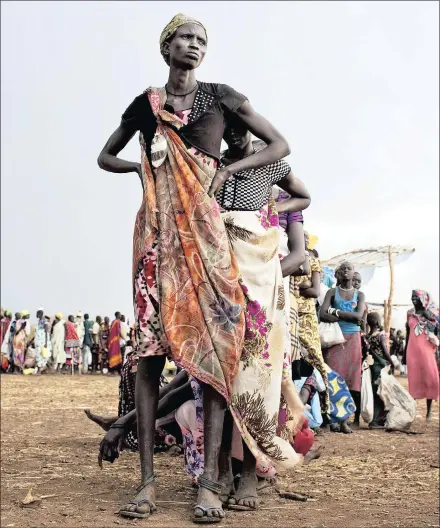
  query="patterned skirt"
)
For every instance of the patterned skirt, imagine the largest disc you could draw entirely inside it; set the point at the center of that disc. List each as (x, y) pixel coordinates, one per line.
(262, 379)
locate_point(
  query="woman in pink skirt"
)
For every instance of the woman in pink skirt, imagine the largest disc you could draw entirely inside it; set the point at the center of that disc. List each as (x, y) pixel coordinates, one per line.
(420, 349)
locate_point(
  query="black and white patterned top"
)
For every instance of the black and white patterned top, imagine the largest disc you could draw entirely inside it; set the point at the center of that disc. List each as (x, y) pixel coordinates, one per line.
(250, 190)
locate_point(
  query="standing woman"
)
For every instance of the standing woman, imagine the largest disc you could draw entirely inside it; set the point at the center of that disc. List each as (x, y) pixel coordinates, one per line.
(57, 339)
(421, 343)
(72, 345)
(307, 291)
(181, 249)
(20, 340)
(345, 305)
(43, 346)
(4, 331)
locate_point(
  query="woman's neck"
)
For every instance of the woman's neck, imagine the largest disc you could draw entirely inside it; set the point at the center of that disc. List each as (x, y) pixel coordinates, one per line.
(181, 81)
(346, 284)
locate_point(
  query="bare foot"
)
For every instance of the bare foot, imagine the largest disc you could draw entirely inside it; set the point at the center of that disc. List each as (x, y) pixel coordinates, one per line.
(208, 505)
(143, 505)
(103, 422)
(313, 454)
(246, 496)
(345, 428)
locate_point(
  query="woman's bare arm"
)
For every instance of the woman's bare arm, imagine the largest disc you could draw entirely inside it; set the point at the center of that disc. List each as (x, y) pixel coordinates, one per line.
(108, 160)
(354, 317)
(291, 262)
(313, 291)
(324, 316)
(300, 197)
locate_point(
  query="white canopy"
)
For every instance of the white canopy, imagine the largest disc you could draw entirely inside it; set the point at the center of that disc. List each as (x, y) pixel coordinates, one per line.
(372, 257)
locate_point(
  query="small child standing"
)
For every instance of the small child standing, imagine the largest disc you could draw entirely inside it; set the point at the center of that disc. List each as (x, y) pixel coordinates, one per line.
(377, 348)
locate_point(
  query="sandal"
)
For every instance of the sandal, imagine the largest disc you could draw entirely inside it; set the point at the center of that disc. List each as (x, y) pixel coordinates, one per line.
(215, 488)
(135, 514)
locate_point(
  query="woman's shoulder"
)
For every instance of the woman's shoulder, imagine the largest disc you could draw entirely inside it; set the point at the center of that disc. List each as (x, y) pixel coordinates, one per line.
(139, 105)
(224, 94)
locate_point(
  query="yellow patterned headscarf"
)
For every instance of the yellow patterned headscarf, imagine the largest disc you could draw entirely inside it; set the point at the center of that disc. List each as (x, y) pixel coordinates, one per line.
(313, 241)
(171, 28)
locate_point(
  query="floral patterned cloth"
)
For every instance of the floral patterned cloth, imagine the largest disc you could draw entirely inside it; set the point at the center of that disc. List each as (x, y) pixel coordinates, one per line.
(259, 385)
(190, 418)
(427, 323)
(198, 303)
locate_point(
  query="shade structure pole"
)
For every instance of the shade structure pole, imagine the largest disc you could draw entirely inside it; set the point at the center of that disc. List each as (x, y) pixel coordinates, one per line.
(391, 295)
(385, 314)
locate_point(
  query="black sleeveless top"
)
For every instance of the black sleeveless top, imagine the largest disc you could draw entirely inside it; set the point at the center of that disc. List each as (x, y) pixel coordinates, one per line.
(214, 105)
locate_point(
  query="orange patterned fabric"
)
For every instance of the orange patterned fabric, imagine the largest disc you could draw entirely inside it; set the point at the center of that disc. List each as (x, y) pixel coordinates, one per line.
(201, 301)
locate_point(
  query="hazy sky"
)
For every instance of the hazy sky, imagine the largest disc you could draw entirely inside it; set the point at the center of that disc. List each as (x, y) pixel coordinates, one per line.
(354, 86)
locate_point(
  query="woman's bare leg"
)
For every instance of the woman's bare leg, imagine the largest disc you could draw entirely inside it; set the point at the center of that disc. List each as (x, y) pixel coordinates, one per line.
(225, 474)
(247, 496)
(428, 409)
(214, 410)
(105, 422)
(146, 397)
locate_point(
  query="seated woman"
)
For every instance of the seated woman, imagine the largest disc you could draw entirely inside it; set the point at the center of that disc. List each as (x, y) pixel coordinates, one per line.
(122, 429)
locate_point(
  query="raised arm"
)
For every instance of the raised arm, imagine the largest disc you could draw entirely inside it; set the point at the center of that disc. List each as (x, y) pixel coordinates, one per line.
(300, 197)
(108, 160)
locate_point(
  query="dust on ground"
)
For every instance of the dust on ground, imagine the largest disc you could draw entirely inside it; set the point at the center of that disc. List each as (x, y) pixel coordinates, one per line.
(367, 479)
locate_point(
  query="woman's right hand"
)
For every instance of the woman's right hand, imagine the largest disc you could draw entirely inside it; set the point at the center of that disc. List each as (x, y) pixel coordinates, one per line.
(111, 445)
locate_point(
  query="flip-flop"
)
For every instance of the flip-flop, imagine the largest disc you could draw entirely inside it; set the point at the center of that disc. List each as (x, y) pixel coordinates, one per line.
(241, 507)
(216, 488)
(205, 519)
(136, 515)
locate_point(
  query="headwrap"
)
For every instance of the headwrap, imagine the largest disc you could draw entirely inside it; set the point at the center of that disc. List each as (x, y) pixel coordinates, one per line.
(313, 240)
(427, 323)
(23, 313)
(328, 276)
(171, 28)
(59, 315)
(79, 314)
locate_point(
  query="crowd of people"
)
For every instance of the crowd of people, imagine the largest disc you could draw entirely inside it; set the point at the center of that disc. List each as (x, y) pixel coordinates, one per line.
(77, 344)
(233, 291)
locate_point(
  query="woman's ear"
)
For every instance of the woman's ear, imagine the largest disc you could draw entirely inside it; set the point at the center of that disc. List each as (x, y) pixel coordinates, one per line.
(166, 49)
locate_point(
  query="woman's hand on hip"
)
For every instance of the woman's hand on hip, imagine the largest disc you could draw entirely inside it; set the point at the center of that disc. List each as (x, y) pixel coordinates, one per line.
(219, 179)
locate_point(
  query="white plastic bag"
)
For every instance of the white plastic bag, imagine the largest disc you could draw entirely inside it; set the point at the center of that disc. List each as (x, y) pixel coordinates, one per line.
(400, 405)
(396, 363)
(367, 396)
(330, 334)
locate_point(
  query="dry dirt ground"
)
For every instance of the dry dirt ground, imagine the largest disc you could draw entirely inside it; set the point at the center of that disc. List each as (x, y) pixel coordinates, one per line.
(368, 479)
